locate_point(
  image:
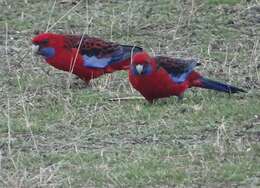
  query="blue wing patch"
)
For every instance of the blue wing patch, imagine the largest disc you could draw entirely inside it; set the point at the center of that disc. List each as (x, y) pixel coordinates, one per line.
(94, 62)
(179, 78)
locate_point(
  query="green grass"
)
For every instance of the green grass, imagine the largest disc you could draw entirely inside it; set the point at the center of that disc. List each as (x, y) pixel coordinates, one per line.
(229, 2)
(58, 132)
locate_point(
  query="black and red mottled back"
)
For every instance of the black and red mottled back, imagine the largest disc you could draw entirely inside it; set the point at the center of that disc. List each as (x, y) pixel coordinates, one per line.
(176, 65)
(179, 69)
(86, 43)
(93, 46)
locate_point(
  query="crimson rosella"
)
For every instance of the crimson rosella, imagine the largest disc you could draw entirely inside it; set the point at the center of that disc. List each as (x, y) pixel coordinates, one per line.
(158, 77)
(87, 57)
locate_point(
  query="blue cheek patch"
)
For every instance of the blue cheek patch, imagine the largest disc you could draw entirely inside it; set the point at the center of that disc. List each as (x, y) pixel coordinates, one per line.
(47, 52)
(147, 69)
(133, 70)
(94, 62)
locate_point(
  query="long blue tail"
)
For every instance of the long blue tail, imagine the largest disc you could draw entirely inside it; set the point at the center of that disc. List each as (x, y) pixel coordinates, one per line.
(210, 84)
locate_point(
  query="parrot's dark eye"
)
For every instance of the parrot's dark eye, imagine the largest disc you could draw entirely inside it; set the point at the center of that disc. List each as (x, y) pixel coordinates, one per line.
(145, 62)
(42, 42)
(45, 41)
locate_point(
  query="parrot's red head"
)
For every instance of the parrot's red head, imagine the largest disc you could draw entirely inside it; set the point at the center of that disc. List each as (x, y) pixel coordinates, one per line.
(46, 44)
(142, 64)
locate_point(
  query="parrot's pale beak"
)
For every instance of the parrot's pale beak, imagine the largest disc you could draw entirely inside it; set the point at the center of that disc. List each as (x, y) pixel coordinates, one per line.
(139, 68)
(35, 48)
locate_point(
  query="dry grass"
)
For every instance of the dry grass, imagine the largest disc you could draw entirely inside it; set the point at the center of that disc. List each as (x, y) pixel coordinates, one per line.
(56, 132)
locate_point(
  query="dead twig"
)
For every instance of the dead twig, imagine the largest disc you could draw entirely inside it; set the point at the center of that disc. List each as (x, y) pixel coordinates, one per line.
(126, 98)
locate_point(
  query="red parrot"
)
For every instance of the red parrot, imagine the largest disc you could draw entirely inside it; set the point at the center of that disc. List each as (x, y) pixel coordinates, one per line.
(160, 76)
(87, 57)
